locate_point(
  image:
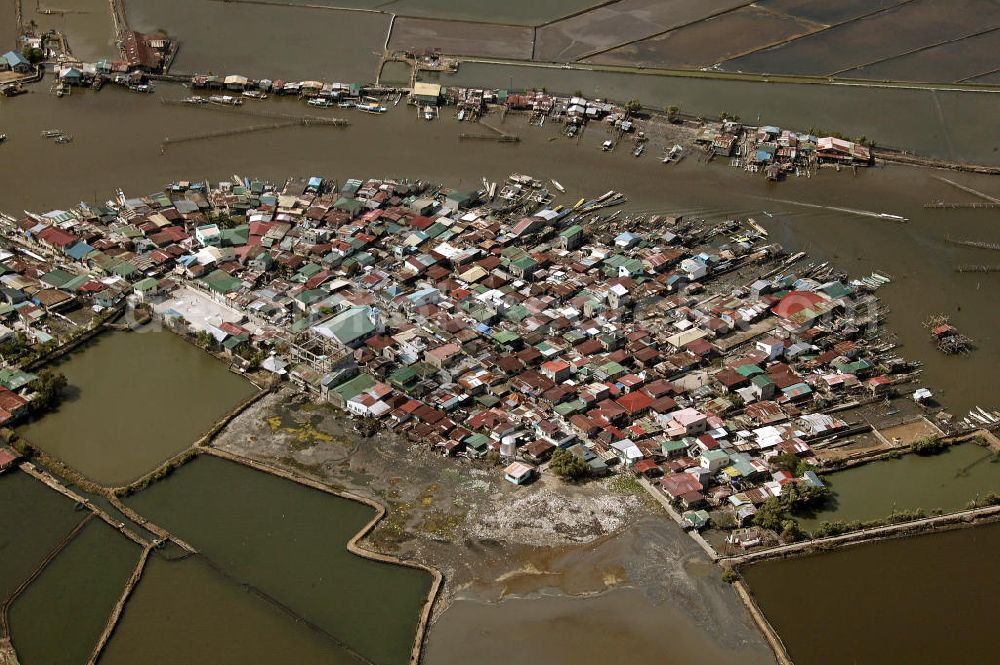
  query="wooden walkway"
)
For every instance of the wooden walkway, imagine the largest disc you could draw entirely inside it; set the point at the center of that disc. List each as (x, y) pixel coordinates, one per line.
(116, 612)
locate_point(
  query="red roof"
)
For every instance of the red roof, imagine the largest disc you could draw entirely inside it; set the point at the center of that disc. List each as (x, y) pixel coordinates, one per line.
(645, 466)
(57, 237)
(676, 484)
(796, 301)
(635, 402)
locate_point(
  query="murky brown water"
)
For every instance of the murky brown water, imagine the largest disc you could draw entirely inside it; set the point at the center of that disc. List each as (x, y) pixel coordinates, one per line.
(87, 24)
(140, 398)
(184, 612)
(33, 519)
(618, 626)
(916, 253)
(947, 481)
(705, 43)
(289, 542)
(920, 601)
(267, 41)
(670, 596)
(911, 26)
(230, 39)
(73, 595)
(944, 124)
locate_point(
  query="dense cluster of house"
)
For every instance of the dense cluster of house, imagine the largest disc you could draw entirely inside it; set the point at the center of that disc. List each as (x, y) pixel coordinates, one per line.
(427, 311)
(777, 151)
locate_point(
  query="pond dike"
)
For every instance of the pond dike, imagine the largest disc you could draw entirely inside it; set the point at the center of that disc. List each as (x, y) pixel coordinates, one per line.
(354, 544)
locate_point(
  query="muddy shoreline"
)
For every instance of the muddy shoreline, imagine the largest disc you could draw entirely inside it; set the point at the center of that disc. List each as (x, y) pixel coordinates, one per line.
(496, 545)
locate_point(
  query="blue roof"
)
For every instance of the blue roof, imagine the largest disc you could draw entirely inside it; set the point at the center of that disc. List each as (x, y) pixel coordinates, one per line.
(79, 250)
(763, 156)
(14, 58)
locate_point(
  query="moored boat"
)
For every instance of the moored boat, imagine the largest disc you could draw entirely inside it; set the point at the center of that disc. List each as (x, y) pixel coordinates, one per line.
(372, 107)
(225, 100)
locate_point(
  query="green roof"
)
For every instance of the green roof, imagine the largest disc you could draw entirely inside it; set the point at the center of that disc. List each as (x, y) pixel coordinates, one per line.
(221, 281)
(402, 377)
(505, 336)
(749, 370)
(571, 407)
(355, 386)
(237, 236)
(13, 378)
(348, 326)
(524, 262)
(123, 269)
(147, 284)
(673, 446)
(571, 231)
(76, 283)
(57, 278)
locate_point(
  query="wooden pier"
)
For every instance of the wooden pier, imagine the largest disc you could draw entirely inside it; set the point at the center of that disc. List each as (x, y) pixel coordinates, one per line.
(960, 206)
(222, 133)
(486, 137)
(977, 244)
(977, 268)
(969, 190)
(260, 113)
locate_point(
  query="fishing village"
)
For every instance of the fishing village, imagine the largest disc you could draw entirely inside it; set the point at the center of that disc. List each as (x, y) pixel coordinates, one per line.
(701, 358)
(433, 383)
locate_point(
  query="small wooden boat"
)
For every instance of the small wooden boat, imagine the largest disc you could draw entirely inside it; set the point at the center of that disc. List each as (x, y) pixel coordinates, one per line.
(225, 100)
(562, 190)
(320, 103)
(254, 94)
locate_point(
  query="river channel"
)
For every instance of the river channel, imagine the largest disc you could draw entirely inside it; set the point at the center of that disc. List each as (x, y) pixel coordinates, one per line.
(135, 399)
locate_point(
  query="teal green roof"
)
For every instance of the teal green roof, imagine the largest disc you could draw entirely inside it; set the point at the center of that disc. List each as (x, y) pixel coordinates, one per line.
(355, 386)
(221, 281)
(147, 284)
(57, 278)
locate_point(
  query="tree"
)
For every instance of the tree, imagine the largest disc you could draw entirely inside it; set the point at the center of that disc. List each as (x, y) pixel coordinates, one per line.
(785, 462)
(790, 531)
(33, 54)
(770, 515)
(204, 339)
(633, 106)
(49, 389)
(672, 112)
(567, 465)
